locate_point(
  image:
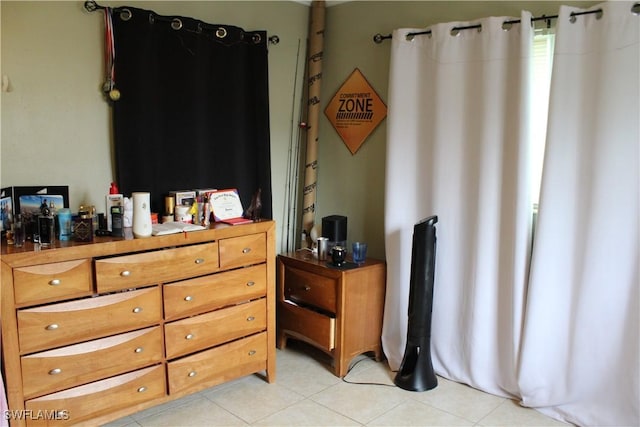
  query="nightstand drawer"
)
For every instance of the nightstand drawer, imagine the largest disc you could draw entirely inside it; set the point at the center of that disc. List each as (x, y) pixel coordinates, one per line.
(311, 289)
(219, 364)
(66, 367)
(307, 325)
(206, 293)
(243, 251)
(49, 282)
(91, 400)
(150, 268)
(71, 322)
(207, 330)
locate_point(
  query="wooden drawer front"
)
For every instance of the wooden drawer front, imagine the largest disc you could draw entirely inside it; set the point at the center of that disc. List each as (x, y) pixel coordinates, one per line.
(311, 289)
(71, 322)
(242, 251)
(95, 399)
(207, 330)
(217, 290)
(307, 325)
(220, 364)
(150, 268)
(71, 366)
(48, 282)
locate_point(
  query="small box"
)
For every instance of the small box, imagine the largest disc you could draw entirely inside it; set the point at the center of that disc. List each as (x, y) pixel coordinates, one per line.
(184, 197)
(82, 229)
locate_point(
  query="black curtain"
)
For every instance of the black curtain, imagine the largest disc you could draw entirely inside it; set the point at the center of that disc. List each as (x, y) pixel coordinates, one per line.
(193, 109)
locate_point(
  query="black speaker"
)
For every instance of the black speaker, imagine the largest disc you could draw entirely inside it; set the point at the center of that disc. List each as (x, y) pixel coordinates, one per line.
(334, 227)
(416, 370)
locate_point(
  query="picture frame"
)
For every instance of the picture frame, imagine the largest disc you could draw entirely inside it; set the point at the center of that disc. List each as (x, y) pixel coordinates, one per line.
(6, 211)
(17, 193)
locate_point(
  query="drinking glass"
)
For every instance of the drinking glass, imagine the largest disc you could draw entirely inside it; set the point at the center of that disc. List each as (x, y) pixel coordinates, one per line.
(359, 252)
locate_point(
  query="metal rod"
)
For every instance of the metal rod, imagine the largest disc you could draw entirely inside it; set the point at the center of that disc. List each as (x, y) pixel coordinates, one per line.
(92, 6)
(379, 38)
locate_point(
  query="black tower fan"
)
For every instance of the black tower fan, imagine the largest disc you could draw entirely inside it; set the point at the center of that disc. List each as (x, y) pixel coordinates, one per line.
(416, 371)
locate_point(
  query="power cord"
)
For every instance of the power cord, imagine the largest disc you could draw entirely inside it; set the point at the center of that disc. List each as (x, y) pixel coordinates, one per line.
(362, 383)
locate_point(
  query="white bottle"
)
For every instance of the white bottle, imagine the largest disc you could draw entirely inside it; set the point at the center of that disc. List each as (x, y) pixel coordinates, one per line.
(141, 215)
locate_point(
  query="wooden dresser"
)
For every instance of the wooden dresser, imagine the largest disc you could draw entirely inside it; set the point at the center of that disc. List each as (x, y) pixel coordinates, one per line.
(93, 332)
(336, 310)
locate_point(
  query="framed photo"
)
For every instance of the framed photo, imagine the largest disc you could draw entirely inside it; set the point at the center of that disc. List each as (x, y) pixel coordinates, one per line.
(6, 211)
(58, 194)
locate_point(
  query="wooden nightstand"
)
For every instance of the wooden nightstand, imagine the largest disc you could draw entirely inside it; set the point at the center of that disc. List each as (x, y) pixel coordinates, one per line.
(338, 310)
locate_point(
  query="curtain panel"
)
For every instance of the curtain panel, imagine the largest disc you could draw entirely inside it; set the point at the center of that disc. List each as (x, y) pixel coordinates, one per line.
(563, 336)
(457, 147)
(194, 107)
(581, 339)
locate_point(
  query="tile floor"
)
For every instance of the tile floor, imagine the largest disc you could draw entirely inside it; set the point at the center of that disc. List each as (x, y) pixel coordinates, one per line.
(306, 393)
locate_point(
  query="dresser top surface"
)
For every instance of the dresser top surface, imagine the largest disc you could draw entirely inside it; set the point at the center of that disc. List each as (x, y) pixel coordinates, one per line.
(106, 246)
(305, 255)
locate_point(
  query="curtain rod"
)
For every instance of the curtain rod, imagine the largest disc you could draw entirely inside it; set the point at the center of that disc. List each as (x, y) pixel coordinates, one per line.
(176, 24)
(379, 38)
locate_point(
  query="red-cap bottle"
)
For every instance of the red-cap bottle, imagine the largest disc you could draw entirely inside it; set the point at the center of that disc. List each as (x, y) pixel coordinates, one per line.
(114, 189)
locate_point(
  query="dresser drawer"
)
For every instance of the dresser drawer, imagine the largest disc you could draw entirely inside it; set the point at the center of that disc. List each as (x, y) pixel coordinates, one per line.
(150, 268)
(207, 330)
(92, 400)
(307, 325)
(311, 289)
(71, 322)
(243, 251)
(206, 293)
(66, 367)
(49, 282)
(219, 364)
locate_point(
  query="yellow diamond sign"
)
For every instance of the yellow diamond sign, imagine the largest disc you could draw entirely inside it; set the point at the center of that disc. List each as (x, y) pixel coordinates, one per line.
(355, 110)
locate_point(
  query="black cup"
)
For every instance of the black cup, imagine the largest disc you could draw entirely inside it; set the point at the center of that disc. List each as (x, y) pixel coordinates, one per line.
(338, 255)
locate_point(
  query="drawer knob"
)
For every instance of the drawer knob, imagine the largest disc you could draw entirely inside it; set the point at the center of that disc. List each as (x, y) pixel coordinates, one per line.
(250, 319)
(139, 350)
(55, 371)
(189, 337)
(199, 260)
(125, 273)
(55, 282)
(188, 298)
(307, 288)
(251, 283)
(252, 352)
(246, 250)
(52, 327)
(137, 310)
(142, 389)
(193, 373)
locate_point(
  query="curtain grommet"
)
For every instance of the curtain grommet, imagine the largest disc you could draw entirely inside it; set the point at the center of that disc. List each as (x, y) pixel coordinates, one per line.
(176, 24)
(125, 14)
(256, 38)
(221, 32)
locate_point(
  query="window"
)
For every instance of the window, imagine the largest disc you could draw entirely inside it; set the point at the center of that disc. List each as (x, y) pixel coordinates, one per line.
(541, 81)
